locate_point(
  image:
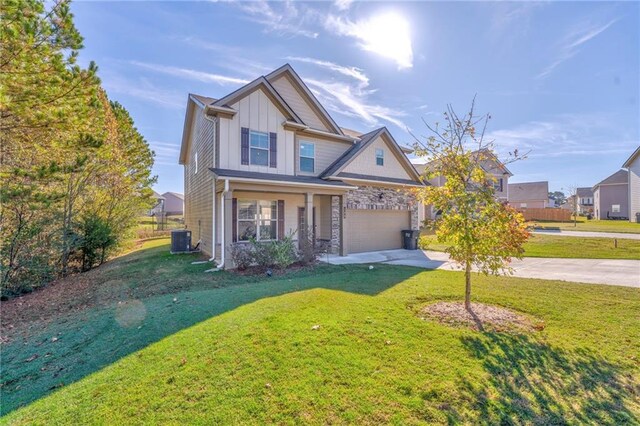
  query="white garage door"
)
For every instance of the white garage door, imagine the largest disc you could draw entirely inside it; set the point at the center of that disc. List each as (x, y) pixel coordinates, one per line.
(371, 230)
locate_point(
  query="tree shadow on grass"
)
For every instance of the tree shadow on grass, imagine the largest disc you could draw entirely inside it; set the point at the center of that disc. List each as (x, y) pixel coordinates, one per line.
(157, 295)
(530, 381)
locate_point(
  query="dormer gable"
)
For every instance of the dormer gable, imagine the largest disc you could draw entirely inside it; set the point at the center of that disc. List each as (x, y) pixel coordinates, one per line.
(296, 93)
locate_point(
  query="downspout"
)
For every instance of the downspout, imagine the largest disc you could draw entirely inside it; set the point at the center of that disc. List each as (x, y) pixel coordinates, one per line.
(213, 197)
(222, 225)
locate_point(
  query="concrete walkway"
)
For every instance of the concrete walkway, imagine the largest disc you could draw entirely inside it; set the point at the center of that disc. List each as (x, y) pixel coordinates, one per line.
(594, 271)
(563, 233)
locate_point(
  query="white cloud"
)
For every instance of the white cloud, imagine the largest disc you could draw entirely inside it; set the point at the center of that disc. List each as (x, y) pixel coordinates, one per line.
(351, 100)
(342, 4)
(353, 72)
(191, 74)
(280, 17)
(571, 42)
(565, 135)
(145, 91)
(386, 34)
(166, 153)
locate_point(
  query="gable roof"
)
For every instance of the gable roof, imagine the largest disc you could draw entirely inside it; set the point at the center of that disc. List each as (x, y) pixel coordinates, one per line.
(175, 194)
(157, 196)
(263, 83)
(584, 192)
(288, 69)
(631, 159)
(494, 157)
(619, 177)
(367, 139)
(528, 191)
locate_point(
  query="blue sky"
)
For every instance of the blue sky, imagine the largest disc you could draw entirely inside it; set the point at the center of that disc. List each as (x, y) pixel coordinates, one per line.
(560, 79)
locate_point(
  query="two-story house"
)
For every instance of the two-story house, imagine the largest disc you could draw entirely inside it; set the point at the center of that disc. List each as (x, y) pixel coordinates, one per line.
(267, 160)
(611, 196)
(491, 165)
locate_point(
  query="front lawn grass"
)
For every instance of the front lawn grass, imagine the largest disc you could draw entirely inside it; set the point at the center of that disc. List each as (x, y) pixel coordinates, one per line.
(590, 225)
(251, 355)
(540, 245)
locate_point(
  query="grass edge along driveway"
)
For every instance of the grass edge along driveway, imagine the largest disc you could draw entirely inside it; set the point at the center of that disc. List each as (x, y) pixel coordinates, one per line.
(371, 361)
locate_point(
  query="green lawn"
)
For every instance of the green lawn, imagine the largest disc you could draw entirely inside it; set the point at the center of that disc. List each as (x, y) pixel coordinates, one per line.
(568, 247)
(241, 350)
(591, 225)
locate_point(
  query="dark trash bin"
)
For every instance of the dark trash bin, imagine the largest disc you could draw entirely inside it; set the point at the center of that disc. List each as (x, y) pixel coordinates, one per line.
(410, 239)
(638, 217)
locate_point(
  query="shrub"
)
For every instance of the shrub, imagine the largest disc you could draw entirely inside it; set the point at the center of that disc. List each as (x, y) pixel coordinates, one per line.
(284, 252)
(423, 242)
(242, 255)
(307, 252)
(96, 239)
(263, 253)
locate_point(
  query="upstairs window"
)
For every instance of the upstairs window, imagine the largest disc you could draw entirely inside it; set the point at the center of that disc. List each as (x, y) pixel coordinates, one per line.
(259, 148)
(497, 185)
(307, 157)
(380, 157)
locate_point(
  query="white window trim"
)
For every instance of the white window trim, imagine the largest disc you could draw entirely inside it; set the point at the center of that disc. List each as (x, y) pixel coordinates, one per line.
(195, 163)
(300, 156)
(258, 219)
(615, 208)
(379, 154)
(262, 149)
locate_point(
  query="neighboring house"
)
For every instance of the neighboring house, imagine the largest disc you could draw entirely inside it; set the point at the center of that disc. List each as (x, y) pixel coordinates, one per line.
(158, 206)
(267, 161)
(173, 204)
(491, 164)
(611, 196)
(585, 201)
(633, 168)
(529, 195)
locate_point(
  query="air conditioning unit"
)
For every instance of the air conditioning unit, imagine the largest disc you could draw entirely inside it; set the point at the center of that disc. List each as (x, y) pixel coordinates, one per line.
(180, 241)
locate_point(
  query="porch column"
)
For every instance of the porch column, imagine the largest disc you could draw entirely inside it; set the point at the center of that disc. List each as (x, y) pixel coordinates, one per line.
(338, 245)
(228, 227)
(343, 226)
(308, 212)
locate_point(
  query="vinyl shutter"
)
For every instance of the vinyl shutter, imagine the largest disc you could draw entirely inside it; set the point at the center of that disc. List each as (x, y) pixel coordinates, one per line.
(273, 150)
(244, 146)
(280, 219)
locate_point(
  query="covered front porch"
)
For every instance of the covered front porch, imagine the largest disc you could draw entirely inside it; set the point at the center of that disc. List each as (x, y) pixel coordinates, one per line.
(247, 208)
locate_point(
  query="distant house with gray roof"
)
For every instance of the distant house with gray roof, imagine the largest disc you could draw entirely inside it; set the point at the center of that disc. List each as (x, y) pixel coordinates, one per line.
(611, 196)
(633, 167)
(173, 203)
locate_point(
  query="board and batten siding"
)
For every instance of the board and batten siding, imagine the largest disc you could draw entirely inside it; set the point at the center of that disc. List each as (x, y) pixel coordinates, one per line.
(365, 162)
(198, 187)
(256, 112)
(326, 152)
(294, 99)
(634, 189)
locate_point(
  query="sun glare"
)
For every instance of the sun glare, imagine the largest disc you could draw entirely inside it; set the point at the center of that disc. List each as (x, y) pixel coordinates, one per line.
(388, 35)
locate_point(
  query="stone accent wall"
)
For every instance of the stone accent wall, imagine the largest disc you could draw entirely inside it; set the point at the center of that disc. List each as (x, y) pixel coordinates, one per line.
(376, 198)
(335, 224)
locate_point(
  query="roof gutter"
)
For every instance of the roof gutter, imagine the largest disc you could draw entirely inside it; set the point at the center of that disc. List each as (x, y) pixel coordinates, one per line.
(284, 183)
(306, 129)
(417, 185)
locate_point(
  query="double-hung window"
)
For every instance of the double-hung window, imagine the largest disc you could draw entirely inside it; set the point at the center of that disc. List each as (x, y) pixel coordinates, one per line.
(380, 157)
(259, 148)
(257, 219)
(615, 208)
(497, 185)
(307, 157)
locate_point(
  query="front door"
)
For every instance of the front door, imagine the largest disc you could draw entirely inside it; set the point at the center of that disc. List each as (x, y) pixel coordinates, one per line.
(302, 226)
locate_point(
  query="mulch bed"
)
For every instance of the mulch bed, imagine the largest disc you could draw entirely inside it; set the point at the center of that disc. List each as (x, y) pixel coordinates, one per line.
(483, 317)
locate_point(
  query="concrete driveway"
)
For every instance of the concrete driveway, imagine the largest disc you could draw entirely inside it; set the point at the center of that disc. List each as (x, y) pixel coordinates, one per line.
(594, 271)
(563, 233)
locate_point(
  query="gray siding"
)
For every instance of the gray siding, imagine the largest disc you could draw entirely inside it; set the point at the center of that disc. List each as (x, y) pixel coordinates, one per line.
(198, 187)
(326, 153)
(608, 195)
(295, 100)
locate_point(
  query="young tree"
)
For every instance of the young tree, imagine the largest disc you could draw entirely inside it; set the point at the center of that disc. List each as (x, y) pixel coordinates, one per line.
(479, 229)
(574, 202)
(558, 197)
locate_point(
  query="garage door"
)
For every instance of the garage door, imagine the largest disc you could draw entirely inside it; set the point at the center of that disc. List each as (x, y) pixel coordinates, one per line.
(371, 230)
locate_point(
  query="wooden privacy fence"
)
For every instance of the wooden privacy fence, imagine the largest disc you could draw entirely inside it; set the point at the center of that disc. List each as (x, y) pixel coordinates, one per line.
(556, 215)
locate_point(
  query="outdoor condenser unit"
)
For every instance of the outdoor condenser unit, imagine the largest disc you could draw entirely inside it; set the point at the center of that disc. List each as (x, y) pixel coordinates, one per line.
(180, 241)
